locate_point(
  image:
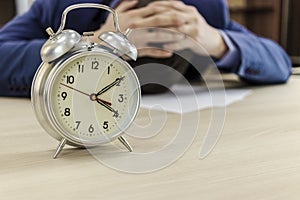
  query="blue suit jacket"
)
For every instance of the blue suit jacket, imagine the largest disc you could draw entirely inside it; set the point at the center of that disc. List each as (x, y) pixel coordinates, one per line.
(261, 60)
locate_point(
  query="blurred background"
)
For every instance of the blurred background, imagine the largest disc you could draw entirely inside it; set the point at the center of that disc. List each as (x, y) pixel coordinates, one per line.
(275, 19)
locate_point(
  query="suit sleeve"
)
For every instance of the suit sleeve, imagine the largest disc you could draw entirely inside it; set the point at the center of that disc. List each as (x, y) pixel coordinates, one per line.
(262, 61)
(20, 43)
(22, 38)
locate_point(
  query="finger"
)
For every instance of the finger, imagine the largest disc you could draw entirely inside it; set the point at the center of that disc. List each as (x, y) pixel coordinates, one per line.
(189, 13)
(167, 19)
(176, 46)
(170, 4)
(188, 43)
(148, 11)
(188, 29)
(155, 53)
(163, 35)
(126, 5)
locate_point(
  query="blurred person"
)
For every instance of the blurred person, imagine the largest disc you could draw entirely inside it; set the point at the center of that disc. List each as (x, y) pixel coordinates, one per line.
(233, 48)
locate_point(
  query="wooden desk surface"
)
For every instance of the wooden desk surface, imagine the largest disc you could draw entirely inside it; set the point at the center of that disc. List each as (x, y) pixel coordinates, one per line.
(257, 157)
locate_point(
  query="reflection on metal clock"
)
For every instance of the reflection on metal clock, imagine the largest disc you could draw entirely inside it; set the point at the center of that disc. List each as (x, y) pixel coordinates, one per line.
(84, 93)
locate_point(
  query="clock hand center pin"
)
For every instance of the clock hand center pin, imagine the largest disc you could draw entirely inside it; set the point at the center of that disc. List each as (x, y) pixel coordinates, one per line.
(93, 96)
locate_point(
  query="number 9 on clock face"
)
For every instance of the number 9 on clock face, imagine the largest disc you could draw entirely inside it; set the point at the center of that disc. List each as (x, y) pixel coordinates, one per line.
(92, 97)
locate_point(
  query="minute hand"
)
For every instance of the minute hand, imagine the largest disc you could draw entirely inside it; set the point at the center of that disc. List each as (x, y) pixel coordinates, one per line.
(116, 114)
(106, 88)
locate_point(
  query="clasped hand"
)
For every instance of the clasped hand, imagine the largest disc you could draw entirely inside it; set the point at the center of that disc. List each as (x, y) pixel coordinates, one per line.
(174, 15)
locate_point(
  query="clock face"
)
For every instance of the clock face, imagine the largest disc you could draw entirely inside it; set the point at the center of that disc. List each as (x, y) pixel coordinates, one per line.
(92, 97)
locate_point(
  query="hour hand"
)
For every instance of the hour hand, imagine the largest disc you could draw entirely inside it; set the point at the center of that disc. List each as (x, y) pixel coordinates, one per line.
(115, 112)
(106, 88)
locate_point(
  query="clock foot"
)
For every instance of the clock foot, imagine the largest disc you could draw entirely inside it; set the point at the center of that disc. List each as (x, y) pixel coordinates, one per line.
(125, 143)
(59, 148)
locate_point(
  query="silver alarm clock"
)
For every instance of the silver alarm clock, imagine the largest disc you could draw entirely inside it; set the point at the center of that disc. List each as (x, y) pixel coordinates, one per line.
(84, 94)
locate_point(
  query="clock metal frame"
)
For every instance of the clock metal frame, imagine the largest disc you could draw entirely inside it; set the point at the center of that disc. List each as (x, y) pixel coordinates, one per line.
(49, 69)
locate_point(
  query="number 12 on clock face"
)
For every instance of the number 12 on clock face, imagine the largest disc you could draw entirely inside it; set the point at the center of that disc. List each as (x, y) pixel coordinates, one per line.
(94, 98)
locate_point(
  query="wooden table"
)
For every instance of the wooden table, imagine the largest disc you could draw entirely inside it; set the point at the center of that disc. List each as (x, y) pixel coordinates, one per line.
(257, 157)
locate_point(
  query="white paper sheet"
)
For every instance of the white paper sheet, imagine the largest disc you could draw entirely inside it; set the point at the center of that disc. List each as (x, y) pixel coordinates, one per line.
(184, 99)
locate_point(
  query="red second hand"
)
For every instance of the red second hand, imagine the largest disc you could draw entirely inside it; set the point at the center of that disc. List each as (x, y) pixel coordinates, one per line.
(93, 96)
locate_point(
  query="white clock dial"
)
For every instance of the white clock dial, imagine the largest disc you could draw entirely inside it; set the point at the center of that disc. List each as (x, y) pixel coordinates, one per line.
(93, 97)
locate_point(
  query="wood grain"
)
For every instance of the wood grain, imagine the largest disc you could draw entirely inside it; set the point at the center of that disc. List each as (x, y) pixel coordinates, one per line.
(257, 156)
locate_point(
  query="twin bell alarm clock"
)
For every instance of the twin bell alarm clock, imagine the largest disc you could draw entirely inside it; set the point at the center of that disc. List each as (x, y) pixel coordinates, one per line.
(85, 94)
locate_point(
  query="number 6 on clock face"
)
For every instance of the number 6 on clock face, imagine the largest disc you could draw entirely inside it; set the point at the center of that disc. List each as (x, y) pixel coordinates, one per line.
(93, 97)
(83, 93)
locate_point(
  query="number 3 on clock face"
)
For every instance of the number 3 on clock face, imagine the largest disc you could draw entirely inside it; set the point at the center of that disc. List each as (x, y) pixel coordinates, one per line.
(93, 97)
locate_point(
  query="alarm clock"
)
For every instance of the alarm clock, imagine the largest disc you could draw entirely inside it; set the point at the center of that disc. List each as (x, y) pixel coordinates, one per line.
(85, 94)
